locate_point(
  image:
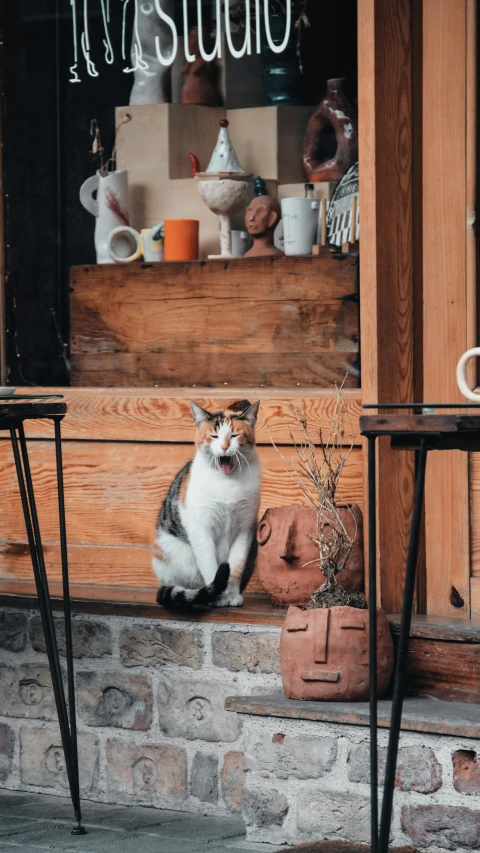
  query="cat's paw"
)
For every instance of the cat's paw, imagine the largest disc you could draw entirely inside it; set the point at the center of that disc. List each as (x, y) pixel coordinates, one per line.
(228, 599)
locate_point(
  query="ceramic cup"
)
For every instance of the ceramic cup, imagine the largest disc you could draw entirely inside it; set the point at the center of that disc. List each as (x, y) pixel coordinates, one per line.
(461, 379)
(181, 239)
(126, 245)
(241, 243)
(300, 224)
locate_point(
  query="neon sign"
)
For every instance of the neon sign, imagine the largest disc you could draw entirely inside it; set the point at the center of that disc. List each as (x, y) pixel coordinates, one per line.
(81, 37)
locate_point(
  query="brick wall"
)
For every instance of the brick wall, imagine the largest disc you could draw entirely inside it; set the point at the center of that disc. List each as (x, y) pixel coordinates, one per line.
(153, 731)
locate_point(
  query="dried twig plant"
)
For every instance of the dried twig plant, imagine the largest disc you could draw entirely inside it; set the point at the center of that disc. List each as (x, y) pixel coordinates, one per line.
(97, 150)
(317, 471)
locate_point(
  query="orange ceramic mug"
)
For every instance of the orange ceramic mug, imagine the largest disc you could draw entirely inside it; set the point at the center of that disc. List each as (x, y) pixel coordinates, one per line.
(181, 239)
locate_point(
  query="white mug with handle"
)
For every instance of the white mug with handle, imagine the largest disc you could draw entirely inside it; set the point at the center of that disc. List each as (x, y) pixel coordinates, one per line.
(461, 380)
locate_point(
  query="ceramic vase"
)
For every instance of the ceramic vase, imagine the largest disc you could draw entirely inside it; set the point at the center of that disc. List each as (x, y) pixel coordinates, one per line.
(151, 78)
(287, 559)
(331, 140)
(110, 207)
(324, 654)
(282, 78)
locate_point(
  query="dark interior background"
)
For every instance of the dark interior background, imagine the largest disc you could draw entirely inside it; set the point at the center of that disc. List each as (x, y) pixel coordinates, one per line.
(45, 132)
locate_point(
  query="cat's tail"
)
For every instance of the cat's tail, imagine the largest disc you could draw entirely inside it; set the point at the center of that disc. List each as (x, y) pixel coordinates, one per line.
(173, 597)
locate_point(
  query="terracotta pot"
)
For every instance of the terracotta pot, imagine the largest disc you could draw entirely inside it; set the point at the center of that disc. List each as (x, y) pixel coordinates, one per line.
(324, 653)
(285, 549)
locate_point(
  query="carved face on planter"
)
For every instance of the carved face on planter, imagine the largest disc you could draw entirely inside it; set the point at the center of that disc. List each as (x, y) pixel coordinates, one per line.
(287, 560)
(324, 653)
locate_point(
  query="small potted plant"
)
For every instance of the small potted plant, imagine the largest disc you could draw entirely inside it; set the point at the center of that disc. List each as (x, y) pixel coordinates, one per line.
(296, 543)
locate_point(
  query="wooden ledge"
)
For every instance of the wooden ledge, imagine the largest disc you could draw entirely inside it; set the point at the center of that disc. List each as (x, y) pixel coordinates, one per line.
(420, 714)
(134, 601)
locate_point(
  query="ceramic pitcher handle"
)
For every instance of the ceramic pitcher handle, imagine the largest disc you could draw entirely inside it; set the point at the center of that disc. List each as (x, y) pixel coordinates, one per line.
(86, 194)
(461, 381)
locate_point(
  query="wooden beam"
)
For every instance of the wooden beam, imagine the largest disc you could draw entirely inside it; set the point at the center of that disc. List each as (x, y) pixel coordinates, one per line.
(164, 415)
(386, 260)
(447, 330)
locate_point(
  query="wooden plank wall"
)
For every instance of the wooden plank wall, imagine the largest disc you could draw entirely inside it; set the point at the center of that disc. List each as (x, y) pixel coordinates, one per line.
(447, 299)
(121, 451)
(284, 322)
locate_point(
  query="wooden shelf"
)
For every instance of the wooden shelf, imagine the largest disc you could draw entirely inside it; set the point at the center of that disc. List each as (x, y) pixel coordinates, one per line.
(263, 322)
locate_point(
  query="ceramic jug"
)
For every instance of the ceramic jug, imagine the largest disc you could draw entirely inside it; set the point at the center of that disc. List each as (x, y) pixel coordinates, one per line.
(110, 207)
(461, 380)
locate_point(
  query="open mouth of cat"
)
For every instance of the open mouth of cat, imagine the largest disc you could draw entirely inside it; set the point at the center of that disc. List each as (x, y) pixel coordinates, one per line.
(227, 464)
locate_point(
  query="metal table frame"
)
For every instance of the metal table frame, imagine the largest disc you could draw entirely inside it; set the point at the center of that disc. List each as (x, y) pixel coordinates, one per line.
(422, 433)
(14, 411)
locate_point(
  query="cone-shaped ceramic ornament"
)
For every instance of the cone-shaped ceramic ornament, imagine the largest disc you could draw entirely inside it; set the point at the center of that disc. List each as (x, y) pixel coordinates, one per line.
(224, 158)
(225, 187)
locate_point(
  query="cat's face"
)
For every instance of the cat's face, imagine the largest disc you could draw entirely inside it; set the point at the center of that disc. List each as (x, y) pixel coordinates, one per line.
(226, 438)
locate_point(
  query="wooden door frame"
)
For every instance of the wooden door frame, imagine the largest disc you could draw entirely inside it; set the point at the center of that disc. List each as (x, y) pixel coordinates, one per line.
(417, 166)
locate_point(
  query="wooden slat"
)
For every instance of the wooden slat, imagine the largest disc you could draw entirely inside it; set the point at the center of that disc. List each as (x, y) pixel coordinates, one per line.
(475, 597)
(474, 477)
(164, 415)
(266, 322)
(446, 670)
(113, 493)
(445, 320)
(280, 370)
(386, 260)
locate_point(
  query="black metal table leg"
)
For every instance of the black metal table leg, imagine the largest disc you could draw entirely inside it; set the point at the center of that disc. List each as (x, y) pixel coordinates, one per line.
(402, 654)
(372, 603)
(75, 787)
(68, 733)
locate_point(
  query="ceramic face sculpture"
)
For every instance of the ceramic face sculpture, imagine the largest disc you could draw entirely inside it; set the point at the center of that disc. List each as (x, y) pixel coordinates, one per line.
(287, 559)
(261, 219)
(324, 654)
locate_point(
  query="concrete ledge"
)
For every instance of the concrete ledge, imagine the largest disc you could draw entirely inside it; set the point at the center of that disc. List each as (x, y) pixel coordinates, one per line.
(420, 714)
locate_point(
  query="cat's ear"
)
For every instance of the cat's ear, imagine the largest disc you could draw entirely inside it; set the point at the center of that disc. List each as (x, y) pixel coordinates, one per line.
(199, 415)
(250, 414)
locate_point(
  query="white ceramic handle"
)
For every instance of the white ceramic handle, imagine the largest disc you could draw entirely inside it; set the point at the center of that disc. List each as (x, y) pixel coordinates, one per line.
(136, 236)
(461, 381)
(86, 194)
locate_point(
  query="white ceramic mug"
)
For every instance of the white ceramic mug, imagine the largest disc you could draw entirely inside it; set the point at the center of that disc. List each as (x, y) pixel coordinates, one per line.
(461, 380)
(126, 245)
(300, 224)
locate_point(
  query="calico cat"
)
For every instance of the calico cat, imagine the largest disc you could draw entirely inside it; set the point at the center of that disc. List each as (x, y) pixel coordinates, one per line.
(206, 527)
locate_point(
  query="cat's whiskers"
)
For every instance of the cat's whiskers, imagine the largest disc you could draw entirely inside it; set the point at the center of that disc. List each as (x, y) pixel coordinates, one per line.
(244, 457)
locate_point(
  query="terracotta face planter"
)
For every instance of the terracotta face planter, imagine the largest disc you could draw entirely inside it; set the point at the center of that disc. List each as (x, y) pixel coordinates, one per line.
(284, 549)
(324, 653)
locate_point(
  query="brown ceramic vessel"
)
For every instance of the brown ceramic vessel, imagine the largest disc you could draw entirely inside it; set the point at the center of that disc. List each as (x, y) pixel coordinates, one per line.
(285, 549)
(331, 140)
(324, 654)
(200, 77)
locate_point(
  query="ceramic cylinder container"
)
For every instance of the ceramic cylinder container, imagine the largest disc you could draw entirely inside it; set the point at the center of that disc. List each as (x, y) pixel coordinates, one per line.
(181, 239)
(300, 224)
